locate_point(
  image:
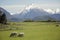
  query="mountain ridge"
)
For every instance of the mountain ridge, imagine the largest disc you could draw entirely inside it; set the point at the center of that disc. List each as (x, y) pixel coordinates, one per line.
(34, 13)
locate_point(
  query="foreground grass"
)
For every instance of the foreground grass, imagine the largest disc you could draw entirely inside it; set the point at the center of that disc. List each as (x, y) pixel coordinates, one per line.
(32, 31)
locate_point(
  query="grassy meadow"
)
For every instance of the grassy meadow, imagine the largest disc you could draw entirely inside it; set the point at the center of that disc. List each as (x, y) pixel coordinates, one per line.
(32, 31)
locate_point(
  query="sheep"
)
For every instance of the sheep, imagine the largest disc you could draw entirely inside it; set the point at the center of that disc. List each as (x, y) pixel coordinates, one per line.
(21, 34)
(13, 34)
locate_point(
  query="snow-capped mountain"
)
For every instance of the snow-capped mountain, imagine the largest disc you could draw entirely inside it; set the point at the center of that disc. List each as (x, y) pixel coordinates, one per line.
(37, 13)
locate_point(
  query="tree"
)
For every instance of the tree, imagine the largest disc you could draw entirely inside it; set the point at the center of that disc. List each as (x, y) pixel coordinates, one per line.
(3, 19)
(28, 21)
(48, 20)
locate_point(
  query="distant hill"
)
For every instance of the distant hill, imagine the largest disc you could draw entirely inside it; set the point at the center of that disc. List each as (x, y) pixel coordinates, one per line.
(6, 12)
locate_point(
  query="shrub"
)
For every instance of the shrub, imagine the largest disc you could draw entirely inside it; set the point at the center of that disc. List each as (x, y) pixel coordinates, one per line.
(3, 19)
(28, 21)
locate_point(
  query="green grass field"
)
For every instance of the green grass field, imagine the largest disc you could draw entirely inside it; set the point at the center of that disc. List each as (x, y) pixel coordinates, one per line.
(32, 31)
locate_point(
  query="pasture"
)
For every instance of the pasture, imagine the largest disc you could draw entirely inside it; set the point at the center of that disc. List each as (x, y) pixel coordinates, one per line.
(32, 31)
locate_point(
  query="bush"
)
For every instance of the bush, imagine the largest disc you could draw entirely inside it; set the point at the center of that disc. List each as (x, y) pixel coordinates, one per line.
(28, 21)
(3, 19)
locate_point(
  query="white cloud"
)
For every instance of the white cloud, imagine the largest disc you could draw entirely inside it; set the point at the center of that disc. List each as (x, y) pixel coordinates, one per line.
(58, 10)
(17, 8)
(13, 8)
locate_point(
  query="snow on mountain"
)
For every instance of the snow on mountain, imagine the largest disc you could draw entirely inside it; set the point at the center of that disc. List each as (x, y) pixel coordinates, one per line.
(57, 10)
(51, 11)
(33, 11)
(36, 13)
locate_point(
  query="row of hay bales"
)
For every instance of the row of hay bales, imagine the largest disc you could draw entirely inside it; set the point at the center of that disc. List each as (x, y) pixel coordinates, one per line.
(15, 34)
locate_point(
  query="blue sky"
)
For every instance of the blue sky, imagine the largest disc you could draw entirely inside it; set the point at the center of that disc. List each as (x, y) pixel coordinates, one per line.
(18, 4)
(26, 2)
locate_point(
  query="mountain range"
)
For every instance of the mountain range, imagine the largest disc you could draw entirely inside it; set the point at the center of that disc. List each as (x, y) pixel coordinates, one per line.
(34, 13)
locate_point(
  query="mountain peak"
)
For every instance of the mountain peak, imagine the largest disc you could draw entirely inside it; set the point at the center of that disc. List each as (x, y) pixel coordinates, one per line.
(57, 10)
(32, 6)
